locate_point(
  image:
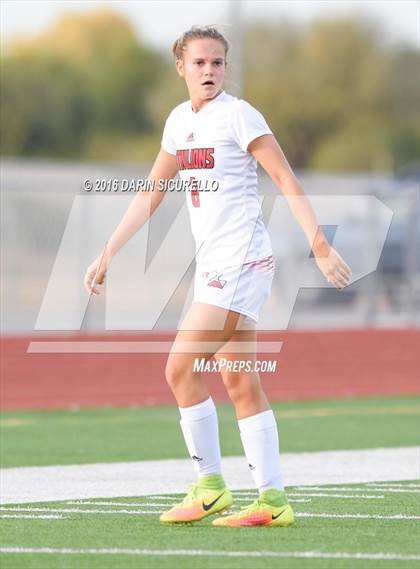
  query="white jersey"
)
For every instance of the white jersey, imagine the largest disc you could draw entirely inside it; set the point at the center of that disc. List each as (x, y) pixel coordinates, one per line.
(211, 151)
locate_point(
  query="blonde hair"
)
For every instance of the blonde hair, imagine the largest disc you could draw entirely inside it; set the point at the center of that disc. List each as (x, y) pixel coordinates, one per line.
(197, 32)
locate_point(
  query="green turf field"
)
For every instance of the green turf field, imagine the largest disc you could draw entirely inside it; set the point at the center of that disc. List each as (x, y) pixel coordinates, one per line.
(359, 525)
(109, 435)
(111, 525)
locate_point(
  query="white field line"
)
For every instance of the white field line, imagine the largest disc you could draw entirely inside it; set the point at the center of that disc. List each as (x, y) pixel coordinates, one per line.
(153, 512)
(142, 478)
(344, 496)
(370, 489)
(306, 491)
(357, 516)
(235, 494)
(132, 505)
(250, 492)
(293, 501)
(303, 493)
(391, 485)
(82, 511)
(32, 517)
(156, 497)
(163, 496)
(151, 504)
(213, 553)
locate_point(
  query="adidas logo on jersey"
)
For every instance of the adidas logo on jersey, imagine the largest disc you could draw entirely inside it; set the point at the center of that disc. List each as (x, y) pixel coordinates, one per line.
(190, 138)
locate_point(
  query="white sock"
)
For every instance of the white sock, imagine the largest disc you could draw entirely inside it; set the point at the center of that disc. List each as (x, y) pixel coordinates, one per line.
(201, 433)
(261, 445)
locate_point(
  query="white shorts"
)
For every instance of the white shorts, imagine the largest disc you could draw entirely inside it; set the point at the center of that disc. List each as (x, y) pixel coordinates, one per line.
(243, 288)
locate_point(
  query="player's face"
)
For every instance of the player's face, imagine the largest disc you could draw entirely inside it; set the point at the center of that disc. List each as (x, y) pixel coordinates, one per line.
(203, 68)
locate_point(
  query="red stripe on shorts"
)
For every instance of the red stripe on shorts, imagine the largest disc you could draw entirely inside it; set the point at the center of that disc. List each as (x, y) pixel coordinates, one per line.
(266, 263)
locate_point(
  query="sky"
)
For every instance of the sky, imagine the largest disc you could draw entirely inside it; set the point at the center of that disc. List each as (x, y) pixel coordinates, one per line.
(159, 22)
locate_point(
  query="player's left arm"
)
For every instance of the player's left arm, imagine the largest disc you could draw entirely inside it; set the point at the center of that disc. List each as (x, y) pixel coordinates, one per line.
(266, 150)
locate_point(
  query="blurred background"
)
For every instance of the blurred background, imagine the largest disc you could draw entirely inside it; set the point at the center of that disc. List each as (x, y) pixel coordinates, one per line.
(87, 86)
(85, 91)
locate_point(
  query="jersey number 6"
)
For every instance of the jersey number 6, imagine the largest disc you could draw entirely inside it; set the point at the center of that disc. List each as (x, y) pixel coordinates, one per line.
(195, 196)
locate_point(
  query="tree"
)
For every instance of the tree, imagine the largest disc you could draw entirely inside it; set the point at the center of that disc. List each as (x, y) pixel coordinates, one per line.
(336, 95)
(88, 74)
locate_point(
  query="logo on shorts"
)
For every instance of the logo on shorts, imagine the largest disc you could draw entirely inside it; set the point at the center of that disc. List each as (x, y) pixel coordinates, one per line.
(215, 280)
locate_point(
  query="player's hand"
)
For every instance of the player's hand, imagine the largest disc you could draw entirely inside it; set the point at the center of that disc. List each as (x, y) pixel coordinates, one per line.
(335, 269)
(99, 268)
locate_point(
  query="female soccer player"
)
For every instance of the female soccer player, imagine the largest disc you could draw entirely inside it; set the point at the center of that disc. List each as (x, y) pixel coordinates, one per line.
(216, 137)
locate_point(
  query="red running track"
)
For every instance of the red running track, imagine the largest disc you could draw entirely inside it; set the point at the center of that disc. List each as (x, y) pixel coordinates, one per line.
(310, 365)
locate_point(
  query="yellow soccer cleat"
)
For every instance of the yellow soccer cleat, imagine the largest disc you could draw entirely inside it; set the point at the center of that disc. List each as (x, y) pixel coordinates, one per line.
(199, 503)
(262, 512)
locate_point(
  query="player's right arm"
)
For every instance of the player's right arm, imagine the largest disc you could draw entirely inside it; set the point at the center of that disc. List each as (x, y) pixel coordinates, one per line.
(138, 212)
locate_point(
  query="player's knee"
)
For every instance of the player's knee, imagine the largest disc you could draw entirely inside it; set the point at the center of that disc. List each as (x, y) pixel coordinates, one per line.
(241, 386)
(174, 372)
(232, 382)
